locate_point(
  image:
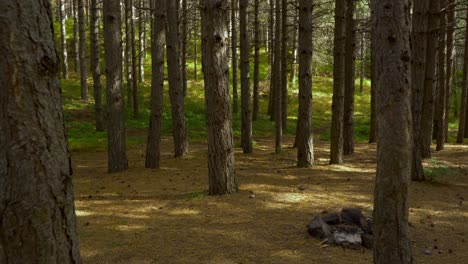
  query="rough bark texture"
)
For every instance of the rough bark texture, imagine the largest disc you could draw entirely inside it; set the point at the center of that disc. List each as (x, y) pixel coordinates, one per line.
(256, 84)
(418, 69)
(276, 78)
(37, 214)
(221, 171)
(116, 150)
(176, 92)
(304, 138)
(157, 86)
(82, 51)
(449, 62)
(336, 148)
(63, 39)
(429, 80)
(464, 95)
(392, 243)
(95, 65)
(439, 120)
(246, 105)
(350, 52)
(234, 62)
(284, 64)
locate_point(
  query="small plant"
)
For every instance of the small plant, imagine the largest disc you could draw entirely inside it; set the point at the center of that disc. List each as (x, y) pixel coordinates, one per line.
(196, 195)
(436, 169)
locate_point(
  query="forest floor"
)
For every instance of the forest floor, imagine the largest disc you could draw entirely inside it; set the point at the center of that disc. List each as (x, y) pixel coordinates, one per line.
(164, 216)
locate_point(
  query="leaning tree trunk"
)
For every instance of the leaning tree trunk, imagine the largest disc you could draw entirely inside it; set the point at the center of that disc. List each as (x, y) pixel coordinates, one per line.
(350, 52)
(37, 219)
(276, 78)
(82, 51)
(176, 92)
(304, 138)
(246, 106)
(221, 172)
(116, 151)
(439, 124)
(95, 65)
(392, 242)
(464, 87)
(418, 69)
(153, 147)
(234, 62)
(63, 38)
(449, 59)
(429, 80)
(256, 84)
(336, 148)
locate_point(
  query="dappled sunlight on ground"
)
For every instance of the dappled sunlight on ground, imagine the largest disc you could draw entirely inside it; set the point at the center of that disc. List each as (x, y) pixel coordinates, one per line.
(165, 216)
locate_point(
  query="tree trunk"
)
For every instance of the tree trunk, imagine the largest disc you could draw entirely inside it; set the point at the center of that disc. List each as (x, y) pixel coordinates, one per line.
(429, 80)
(128, 49)
(184, 46)
(350, 53)
(82, 50)
(141, 42)
(76, 35)
(117, 157)
(256, 85)
(176, 92)
(392, 242)
(418, 68)
(153, 147)
(234, 6)
(464, 94)
(221, 171)
(284, 64)
(451, 21)
(37, 219)
(95, 65)
(336, 148)
(304, 138)
(271, 26)
(373, 115)
(276, 77)
(134, 61)
(246, 107)
(63, 38)
(362, 54)
(439, 124)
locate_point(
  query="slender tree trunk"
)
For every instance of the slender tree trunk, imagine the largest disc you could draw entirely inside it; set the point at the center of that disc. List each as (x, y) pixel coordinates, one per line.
(184, 46)
(294, 48)
(134, 59)
(350, 53)
(392, 242)
(195, 50)
(449, 59)
(430, 80)
(439, 124)
(276, 77)
(304, 138)
(221, 172)
(362, 53)
(284, 64)
(63, 38)
(271, 26)
(116, 150)
(76, 36)
(418, 69)
(234, 6)
(464, 87)
(141, 42)
(176, 92)
(128, 49)
(256, 85)
(82, 51)
(336, 148)
(246, 107)
(37, 219)
(153, 147)
(373, 117)
(95, 65)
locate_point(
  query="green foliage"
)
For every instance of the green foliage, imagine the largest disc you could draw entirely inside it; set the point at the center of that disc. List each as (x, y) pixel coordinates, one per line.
(437, 169)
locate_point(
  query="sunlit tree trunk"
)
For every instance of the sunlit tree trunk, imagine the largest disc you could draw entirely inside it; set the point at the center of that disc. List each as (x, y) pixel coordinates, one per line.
(256, 84)
(246, 106)
(276, 78)
(82, 51)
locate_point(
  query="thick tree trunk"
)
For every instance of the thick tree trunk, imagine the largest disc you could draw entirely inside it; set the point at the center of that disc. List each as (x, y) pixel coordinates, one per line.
(464, 87)
(451, 21)
(276, 77)
(234, 6)
(350, 52)
(82, 51)
(221, 171)
(176, 92)
(116, 150)
(63, 38)
(37, 219)
(153, 147)
(304, 138)
(439, 122)
(336, 148)
(256, 84)
(418, 69)
(392, 242)
(95, 65)
(429, 80)
(246, 107)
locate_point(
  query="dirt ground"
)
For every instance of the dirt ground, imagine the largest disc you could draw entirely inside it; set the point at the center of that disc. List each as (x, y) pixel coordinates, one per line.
(164, 216)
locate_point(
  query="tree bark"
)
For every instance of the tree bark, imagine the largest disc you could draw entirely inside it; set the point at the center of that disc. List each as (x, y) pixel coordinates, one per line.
(82, 51)
(153, 147)
(221, 171)
(304, 137)
(451, 21)
(134, 60)
(256, 84)
(95, 65)
(464, 87)
(429, 80)
(37, 214)
(336, 148)
(276, 77)
(76, 35)
(116, 150)
(234, 6)
(350, 56)
(284, 64)
(439, 122)
(392, 243)
(129, 74)
(246, 107)
(271, 26)
(418, 69)
(176, 93)
(63, 38)
(184, 46)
